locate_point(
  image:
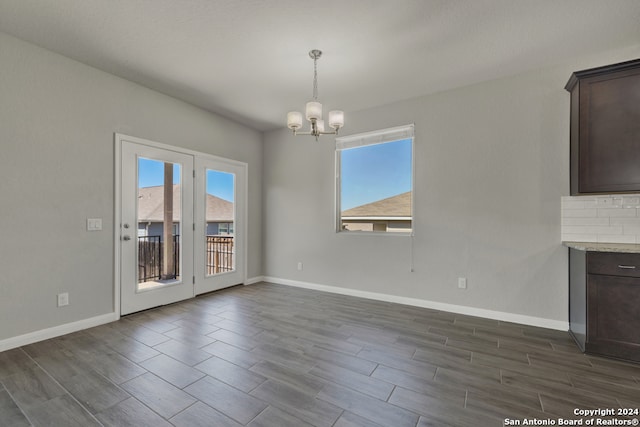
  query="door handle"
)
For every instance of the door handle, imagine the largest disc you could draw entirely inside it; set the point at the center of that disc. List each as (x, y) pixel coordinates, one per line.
(627, 267)
(126, 238)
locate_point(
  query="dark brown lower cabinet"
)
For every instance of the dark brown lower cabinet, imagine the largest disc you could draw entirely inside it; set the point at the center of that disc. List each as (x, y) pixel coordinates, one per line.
(608, 322)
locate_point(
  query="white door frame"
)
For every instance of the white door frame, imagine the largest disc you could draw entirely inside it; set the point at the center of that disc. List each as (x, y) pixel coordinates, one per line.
(118, 139)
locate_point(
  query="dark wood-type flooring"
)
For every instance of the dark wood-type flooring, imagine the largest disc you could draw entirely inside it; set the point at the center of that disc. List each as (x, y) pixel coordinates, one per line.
(270, 355)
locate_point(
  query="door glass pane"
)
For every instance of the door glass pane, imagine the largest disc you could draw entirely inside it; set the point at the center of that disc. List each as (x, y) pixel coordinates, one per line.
(219, 217)
(159, 222)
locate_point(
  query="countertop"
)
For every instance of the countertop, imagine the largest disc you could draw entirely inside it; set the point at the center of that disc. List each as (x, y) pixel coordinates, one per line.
(604, 247)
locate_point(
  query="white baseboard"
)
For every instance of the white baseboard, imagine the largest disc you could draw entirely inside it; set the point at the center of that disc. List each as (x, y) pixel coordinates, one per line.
(461, 309)
(253, 280)
(56, 331)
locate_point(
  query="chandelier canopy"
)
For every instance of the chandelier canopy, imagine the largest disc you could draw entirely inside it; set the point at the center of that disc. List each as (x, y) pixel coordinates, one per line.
(313, 111)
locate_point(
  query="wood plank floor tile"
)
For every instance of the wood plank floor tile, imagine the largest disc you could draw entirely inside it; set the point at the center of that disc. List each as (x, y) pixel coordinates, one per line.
(367, 407)
(511, 361)
(114, 366)
(306, 383)
(444, 356)
(162, 397)
(415, 367)
(197, 325)
(611, 389)
(354, 363)
(240, 328)
(144, 335)
(230, 401)
(429, 387)
(10, 414)
(189, 337)
(274, 417)
(232, 354)
(510, 395)
(151, 322)
(283, 356)
(563, 404)
(464, 377)
(201, 415)
(14, 361)
(349, 419)
(94, 391)
(131, 413)
(460, 418)
(540, 383)
(32, 387)
(186, 354)
(61, 411)
(350, 379)
(61, 364)
(172, 371)
(404, 350)
(132, 349)
(304, 406)
(231, 374)
(43, 348)
(496, 406)
(232, 338)
(423, 404)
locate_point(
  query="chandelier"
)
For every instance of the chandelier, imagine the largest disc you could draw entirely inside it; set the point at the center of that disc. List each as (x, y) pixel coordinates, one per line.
(313, 111)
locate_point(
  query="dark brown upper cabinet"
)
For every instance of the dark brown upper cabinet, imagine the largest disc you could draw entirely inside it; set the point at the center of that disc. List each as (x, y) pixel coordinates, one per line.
(605, 129)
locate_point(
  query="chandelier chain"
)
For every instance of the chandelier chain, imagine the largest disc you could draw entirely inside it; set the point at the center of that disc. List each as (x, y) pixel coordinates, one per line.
(315, 78)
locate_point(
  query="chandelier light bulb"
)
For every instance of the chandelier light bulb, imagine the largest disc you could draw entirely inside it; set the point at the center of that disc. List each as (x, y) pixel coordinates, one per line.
(314, 110)
(294, 120)
(336, 119)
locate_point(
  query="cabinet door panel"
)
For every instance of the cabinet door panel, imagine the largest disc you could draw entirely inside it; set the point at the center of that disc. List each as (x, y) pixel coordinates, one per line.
(614, 319)
(610, 134)
(605, 129)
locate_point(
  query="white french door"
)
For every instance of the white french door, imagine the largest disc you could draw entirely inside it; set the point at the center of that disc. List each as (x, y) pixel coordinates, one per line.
(220, 228)
(181, 224)
(156, 262)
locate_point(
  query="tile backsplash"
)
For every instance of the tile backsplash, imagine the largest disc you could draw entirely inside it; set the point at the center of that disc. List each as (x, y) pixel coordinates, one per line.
(602, 218)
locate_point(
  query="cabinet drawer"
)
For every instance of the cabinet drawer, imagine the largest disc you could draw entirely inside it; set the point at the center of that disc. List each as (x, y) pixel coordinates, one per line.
(613, 264)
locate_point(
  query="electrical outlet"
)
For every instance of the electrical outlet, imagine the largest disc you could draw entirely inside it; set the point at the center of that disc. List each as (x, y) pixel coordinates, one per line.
(299, 265)
(462, 282)
(63, 299)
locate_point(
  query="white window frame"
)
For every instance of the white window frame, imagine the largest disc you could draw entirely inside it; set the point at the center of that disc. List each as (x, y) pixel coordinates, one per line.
(220, 228)
(371, 138)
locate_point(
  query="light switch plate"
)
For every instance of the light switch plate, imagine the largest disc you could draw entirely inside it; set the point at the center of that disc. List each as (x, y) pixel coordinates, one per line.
(94, 224)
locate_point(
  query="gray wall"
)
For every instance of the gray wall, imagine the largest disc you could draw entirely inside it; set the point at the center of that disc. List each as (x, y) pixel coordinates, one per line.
(57, 124)
(491, 164)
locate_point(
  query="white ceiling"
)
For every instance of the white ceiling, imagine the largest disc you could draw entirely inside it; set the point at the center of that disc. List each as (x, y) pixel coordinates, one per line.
(248, 59)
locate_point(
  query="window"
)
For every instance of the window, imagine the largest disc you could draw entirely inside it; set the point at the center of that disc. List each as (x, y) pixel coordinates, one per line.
(225, 228)
(374, 174)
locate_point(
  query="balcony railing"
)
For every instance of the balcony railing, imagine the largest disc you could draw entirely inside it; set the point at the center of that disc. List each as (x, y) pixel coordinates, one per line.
(219, 254)
(150, 257)
(219, 251)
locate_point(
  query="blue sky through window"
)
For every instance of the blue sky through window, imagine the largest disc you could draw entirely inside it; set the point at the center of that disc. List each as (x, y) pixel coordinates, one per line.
(151, 173)
(369, 173)
(220, 184)
(375, 172)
